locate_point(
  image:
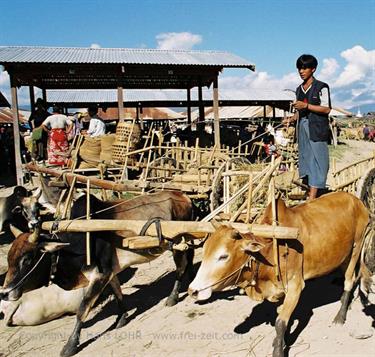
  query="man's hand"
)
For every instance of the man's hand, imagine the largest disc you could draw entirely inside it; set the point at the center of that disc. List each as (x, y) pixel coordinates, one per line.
(299, 105)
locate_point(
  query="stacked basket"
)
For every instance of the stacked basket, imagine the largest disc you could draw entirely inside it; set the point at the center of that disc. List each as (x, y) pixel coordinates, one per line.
(128, 135)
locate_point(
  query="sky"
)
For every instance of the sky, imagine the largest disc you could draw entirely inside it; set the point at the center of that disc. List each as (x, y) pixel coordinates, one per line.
(270, 33)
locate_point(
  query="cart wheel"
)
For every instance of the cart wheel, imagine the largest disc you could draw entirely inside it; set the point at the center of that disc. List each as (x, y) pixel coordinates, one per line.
(366, 190)
(217, 182)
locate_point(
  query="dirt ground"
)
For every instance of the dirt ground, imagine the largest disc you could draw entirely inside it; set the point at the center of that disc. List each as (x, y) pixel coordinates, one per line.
(228, 324)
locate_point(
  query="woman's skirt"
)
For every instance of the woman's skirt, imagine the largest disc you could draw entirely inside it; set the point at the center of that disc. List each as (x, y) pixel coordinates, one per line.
(313, 160)
(57, 147)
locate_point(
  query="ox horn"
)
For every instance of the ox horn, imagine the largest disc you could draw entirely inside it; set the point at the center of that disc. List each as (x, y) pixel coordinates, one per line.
(215, 224)
(37, 193)
(33, 237)
(15, 231)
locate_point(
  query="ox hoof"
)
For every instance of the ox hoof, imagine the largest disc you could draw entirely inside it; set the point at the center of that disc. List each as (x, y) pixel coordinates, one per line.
(339, 319)
(171, 301)
(121, 321)
(69, 350)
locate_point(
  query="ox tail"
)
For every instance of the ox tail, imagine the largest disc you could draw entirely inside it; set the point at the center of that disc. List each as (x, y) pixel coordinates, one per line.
(367, 264)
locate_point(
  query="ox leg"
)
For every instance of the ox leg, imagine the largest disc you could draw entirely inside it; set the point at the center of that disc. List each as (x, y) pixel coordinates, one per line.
(92, 294)
(350, 278)
(116, 287)
(295, 288)
(184, 264)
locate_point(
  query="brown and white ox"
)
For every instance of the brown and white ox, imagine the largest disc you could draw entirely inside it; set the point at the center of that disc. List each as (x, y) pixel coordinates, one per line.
(30, 262)
(331, 234)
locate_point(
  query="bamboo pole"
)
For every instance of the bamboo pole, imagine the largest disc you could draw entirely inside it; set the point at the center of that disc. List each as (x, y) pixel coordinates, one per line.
(265, 174)
(170, 229)
(88, 240)
(69, 198)
(249, 198)
(16, 135)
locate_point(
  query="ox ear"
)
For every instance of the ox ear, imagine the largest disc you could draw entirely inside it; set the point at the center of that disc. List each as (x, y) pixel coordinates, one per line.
(51, 247)
(15, 231)
(252, 246)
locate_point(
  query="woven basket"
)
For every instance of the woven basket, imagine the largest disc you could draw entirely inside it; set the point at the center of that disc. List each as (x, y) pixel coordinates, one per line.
(120, 146)
(124, 129)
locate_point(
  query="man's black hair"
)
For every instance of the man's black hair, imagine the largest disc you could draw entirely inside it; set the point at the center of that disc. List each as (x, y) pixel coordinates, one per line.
(92, 109)
(306, 61)
(56, 109)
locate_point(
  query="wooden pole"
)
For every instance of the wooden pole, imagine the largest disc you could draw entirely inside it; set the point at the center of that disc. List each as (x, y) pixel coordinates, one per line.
(120, 103)
(249, 198)
(16, 134)
(32, 98)
(216, 112)
(170, 229)
(44, 95)
(88, 240)
(188, 105)
(201, 106)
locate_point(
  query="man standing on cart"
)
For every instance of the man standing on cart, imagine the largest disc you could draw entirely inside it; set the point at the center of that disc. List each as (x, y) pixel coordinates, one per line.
(313, 105)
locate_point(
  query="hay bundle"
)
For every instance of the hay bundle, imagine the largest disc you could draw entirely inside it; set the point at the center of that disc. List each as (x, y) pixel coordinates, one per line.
(106, 147)
(89, 151)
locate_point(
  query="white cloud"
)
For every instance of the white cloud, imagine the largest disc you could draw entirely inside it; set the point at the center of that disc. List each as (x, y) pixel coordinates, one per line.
(4, 79)
(177, 40)
(95, 45)
(329, 69)
(353, 85)
(360, 66)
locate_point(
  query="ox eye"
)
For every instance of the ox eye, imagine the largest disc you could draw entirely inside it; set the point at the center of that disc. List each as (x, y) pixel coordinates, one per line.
(24, 260)
(223, 257)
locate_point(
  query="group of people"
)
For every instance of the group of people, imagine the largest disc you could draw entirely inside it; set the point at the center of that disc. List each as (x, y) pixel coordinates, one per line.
(51, 132)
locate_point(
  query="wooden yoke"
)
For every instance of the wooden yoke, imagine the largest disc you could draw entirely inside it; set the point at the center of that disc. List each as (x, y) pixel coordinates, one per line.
(170, 229)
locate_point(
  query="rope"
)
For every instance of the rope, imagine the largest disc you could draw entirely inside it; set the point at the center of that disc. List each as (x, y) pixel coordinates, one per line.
(28, 274)
(228, 276)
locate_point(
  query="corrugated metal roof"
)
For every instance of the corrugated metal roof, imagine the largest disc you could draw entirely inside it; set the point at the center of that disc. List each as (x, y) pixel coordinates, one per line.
(135, 95)
(79, 55)
(241, 112)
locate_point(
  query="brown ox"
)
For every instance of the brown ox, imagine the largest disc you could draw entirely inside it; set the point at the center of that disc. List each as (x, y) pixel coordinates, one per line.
(331, 235)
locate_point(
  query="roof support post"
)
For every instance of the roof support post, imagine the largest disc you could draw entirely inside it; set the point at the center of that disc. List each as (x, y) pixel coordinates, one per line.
(140, 115)
(32, 98)
(264, 111)
(216, 113)
(16, 134)
(188, 106)
(120, 102)
(201, 106)
(44, 95)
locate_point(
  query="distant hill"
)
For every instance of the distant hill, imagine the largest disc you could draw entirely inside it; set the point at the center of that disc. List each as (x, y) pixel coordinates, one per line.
(366, 108)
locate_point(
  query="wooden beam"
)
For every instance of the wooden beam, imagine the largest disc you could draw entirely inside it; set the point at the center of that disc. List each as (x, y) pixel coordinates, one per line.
(16, 134)
(188, 106)
(170, 229)
(120, 103)
(201, 104)
(216, 113)
(32, 98)
(44, 95)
